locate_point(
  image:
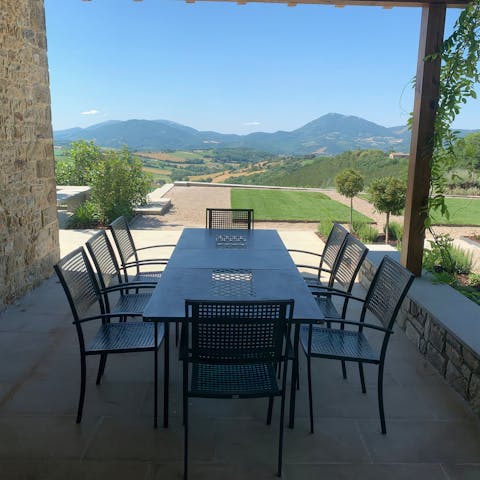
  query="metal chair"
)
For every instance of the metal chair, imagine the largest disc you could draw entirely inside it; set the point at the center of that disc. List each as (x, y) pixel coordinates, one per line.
(81, 288)
(231, 350)
(384, 298)
(110, 277)
(127, 250)
(229, 218)
(350, 259)
(352, 255)
(328, 257)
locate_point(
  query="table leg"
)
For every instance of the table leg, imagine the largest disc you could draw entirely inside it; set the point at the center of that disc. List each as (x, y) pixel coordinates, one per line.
(294, 379)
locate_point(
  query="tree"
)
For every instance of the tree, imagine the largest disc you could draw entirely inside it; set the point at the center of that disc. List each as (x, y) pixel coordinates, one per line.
(388, 196)
(349, 183)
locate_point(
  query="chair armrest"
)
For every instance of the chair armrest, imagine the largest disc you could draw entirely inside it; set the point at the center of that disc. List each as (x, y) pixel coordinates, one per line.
(127, 286)
(304, 251)
(156, 246)
(154, 261)
(312, 267)
(360, 324)
(108, 316)
(338, 294)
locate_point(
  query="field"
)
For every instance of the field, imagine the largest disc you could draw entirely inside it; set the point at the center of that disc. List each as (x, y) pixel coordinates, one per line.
(280, 205)
(463, 211)
(207, 165)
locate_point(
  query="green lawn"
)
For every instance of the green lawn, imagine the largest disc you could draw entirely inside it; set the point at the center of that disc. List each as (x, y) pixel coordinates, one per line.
(463, 211)
(282, 205)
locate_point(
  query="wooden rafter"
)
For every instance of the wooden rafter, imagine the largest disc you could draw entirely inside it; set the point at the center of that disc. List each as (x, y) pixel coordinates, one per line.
(343, 3)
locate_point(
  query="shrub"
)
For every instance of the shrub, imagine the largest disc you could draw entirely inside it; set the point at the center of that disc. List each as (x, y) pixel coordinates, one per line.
(367, 233)
(474, 280)
(85, 216)
(65, 173)
(324, 227)
(119, 185)
(444, 257)
(395, 231)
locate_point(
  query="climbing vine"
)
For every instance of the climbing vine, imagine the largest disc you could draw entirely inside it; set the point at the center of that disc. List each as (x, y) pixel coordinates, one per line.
(460, 57)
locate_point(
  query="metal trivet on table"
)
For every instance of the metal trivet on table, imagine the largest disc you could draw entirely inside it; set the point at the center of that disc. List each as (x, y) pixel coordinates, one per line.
(232, 282)
(231, 241)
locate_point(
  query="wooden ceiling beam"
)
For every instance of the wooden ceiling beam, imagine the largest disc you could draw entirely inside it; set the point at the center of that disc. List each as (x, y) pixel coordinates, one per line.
(343, 3)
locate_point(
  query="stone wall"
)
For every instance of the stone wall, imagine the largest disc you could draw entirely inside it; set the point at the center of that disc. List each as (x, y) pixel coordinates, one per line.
(28, 220)
(450, 355)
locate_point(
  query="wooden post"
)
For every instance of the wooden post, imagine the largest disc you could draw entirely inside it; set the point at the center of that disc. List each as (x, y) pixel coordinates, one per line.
(421, 147)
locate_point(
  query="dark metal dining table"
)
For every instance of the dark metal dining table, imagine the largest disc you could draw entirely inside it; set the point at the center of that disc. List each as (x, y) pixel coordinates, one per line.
(230, 265)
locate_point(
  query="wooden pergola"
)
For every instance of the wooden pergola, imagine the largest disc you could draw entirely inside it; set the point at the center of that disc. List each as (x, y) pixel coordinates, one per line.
(424, 110)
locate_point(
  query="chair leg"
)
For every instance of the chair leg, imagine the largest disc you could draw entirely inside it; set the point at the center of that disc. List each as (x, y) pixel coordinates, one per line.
(270, 409)
(282, 422)
(83, 379)
(310, 395)
(380, 399)
(298, 375)
(185, 445)
(362, 377)
(101, 367)
(155, 382)
(344, 370)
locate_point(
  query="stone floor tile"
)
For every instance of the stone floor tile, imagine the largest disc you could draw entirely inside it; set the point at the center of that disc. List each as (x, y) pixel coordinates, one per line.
(463, 471)
(334, 440)
(74, 470)
(44, 437)
(216, 471)
(134, 438)
(422, 441)
(366, 472)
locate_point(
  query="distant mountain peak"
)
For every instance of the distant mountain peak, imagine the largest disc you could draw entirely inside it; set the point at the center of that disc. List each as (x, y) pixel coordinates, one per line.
(329, 134)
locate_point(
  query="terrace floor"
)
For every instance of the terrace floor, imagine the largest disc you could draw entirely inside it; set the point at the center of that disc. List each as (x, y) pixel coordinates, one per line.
(432, 434)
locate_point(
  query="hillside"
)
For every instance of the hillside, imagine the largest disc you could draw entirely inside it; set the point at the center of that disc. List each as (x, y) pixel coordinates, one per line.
(328, 135)
(321, 171)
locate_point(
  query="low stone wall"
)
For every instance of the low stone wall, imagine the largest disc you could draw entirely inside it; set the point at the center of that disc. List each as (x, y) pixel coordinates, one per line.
(440, 336)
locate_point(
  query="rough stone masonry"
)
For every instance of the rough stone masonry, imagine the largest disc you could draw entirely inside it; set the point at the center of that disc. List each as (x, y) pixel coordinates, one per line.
(28, 222)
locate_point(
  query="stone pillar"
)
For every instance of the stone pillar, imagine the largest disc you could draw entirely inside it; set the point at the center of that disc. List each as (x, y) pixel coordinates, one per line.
(28, 220)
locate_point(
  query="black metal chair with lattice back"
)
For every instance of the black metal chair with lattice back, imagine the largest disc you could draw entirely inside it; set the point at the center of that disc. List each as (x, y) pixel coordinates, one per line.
(383, 300)
(111, 279)
(352, 255)
(128, 252)
(229, 218)
(328, 258)
(231, 350)
(81, 288)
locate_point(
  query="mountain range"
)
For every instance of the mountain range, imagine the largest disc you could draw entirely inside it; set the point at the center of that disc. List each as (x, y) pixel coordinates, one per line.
(330, 134)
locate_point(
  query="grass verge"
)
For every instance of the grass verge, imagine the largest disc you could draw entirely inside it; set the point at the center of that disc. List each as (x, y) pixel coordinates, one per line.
(285, 205)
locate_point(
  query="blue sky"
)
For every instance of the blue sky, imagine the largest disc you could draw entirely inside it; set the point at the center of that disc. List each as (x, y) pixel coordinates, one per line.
(231, 68)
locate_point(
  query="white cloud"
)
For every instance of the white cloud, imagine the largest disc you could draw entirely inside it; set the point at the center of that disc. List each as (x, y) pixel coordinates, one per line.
(91, 112)
(251, 124)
